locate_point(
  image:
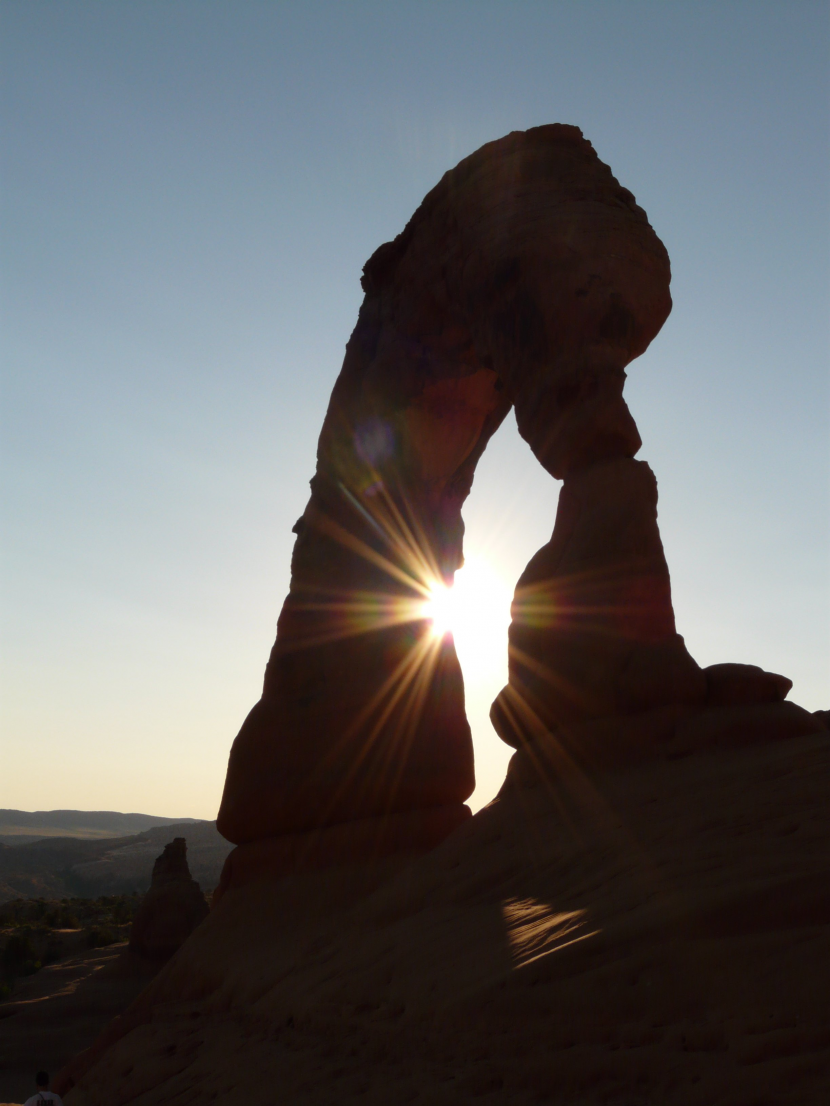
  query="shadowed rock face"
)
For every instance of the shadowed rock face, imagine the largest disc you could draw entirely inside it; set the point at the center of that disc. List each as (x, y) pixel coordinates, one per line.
(528, 278)
(658, 934)
(171, 909)
(593, 631)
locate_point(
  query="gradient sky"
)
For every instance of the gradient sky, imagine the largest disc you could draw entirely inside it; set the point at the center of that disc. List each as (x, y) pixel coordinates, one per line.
(190, 190)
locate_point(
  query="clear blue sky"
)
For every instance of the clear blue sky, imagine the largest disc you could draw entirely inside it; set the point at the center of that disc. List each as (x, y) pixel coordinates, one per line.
(190, 190)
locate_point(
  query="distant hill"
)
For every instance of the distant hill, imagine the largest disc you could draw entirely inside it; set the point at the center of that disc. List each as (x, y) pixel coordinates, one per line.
(59, 867)
(18, 827)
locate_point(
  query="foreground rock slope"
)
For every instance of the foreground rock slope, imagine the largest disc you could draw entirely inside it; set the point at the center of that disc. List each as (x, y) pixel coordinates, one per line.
(53, 1015)
(655, 933)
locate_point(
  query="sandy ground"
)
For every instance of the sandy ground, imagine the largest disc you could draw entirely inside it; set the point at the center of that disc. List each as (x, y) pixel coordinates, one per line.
(659, 935)
(58, 1012)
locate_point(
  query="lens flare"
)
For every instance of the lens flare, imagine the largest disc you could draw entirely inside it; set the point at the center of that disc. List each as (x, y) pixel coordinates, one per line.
(475, 610)
(439, 608)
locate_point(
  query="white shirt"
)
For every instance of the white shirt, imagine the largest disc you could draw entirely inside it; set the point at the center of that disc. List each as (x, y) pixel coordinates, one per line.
(43, 1096)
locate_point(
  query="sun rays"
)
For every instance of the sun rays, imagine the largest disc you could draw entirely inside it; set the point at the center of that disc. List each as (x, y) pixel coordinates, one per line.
(404, 620)
(407, 622)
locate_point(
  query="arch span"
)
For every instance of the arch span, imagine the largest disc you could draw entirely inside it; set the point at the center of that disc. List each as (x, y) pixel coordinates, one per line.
(527, 278)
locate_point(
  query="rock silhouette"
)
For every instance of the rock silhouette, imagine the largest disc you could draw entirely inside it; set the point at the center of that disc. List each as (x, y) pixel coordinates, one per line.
(593, 631)
(731, 684)
(643, 909)
(528, 277)
(171, 909)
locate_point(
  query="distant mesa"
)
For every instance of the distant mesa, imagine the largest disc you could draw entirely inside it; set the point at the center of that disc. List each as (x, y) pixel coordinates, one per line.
(56, 867)
(20, 826)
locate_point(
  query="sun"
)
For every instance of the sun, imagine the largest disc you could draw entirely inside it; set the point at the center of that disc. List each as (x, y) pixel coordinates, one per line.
(475, 610)
(440, 608)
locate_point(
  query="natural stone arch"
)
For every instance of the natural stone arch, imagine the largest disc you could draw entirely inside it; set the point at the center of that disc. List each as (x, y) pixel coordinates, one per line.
(528, 278)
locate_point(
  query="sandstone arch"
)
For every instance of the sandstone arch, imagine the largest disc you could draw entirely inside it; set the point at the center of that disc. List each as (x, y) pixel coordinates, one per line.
(527, 278)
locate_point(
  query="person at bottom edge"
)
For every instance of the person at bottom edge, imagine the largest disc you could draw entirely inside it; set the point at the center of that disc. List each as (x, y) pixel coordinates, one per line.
(43, 1094)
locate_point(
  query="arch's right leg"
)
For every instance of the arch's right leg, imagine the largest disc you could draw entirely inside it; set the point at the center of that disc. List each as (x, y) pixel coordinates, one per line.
(593, 632)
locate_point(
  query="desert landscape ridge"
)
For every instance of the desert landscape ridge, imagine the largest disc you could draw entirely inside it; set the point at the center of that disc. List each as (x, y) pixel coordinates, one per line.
(642, 915)
(55, 867)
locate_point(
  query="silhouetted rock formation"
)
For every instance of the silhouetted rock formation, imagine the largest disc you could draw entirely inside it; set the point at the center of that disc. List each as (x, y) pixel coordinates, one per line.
(733, 684)
(529, 278)
(593, 629)
(643, 908)
(171, 909)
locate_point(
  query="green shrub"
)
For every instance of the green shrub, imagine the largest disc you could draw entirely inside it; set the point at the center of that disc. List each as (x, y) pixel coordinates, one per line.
(123, 911)
(61, 917)
(19, 956)
(101, 936)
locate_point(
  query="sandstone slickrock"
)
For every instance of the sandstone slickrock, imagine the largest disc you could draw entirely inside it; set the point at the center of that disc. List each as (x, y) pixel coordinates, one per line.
(730, 684)
(55, 1014)
(658, 934)
(364, 840)
(171, 909)
(530, 278)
